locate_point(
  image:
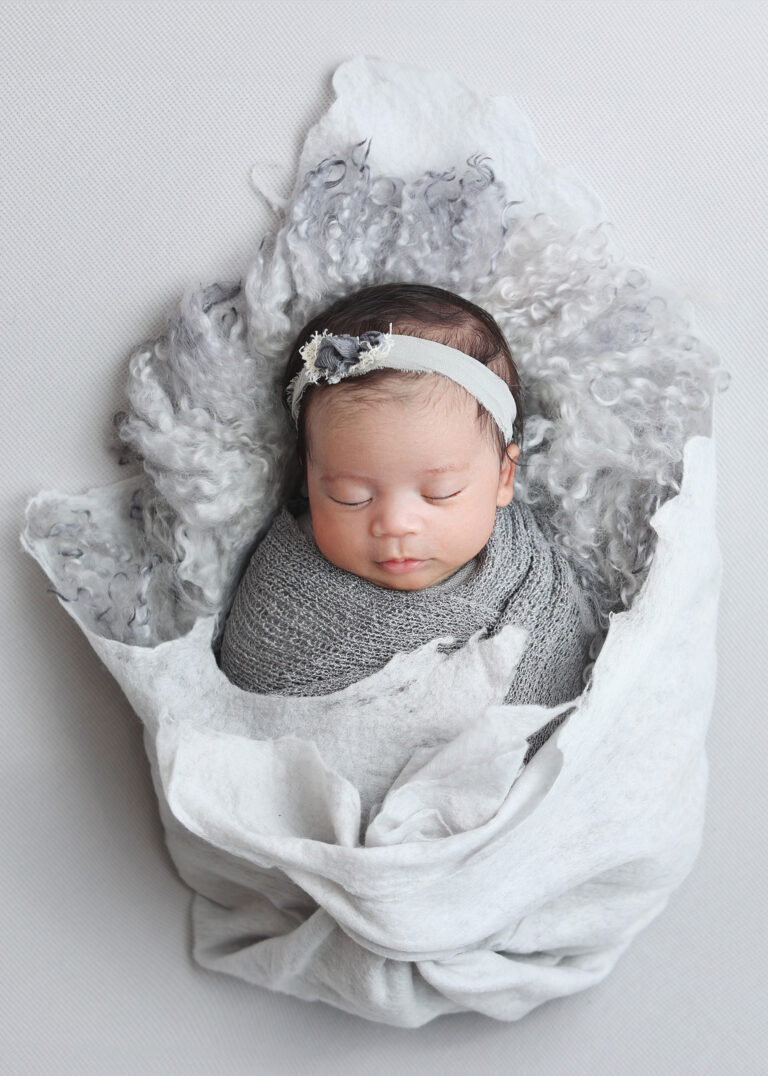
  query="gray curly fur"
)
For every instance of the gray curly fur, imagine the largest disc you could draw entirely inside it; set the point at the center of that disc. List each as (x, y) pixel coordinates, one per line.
(615, 379)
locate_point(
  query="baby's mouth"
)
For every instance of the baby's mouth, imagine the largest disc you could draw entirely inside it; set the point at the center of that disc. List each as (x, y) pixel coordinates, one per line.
(401, 564)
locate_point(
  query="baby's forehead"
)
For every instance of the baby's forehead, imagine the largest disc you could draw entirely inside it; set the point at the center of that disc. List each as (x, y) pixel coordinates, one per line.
(427, 416)
(421, 430)
(430, 394)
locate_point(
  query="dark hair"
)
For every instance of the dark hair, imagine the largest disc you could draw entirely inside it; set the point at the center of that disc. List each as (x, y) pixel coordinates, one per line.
(412, 310)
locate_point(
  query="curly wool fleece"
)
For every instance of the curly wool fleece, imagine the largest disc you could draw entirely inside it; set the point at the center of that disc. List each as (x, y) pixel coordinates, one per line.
(340, 628)
(614, 378)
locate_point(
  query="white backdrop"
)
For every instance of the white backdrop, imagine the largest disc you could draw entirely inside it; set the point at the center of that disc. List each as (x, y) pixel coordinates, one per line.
(128, 134)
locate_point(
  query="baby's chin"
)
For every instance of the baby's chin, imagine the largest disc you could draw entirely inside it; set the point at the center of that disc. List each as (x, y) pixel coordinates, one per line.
(389, 584)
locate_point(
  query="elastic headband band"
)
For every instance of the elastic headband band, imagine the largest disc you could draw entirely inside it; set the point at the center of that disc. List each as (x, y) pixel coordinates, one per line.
(332, 358)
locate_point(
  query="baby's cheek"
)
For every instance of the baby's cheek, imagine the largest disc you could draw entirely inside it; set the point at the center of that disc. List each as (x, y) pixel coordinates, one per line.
(322, 531)
(475, 530)
(333, 539)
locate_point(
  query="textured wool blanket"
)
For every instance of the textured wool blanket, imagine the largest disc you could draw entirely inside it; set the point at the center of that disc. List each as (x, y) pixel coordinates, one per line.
(384, 848)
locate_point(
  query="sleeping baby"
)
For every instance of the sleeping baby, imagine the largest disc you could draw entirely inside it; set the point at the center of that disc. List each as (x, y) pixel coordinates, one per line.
(409, 416)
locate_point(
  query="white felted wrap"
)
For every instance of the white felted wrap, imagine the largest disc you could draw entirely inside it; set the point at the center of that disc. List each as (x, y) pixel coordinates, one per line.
(383, 848)
(480, 884)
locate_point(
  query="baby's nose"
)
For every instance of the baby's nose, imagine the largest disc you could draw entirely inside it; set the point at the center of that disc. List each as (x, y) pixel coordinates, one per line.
(394, 516)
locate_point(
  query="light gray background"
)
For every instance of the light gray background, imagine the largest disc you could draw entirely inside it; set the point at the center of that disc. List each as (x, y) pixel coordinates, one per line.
(128, 133)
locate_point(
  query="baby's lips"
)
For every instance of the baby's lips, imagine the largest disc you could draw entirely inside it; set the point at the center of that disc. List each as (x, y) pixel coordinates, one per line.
(388, 560)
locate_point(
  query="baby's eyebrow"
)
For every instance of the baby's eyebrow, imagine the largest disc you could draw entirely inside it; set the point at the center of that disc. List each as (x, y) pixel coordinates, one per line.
(447, 467)
(329, 476)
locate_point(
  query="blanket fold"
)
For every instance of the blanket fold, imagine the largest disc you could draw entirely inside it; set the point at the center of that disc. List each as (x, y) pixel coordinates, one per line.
(299, 888)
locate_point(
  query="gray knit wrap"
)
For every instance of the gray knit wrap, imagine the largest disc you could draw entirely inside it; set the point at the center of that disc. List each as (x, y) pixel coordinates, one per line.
(300, 625)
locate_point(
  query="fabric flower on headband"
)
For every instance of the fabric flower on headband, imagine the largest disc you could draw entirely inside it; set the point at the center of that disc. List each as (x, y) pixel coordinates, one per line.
(331, 357)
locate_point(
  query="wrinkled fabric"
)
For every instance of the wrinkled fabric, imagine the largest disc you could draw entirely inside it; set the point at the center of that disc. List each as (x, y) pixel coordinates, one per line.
(475, 882)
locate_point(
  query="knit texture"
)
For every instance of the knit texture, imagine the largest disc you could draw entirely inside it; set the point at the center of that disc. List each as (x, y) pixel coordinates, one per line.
(299, 625)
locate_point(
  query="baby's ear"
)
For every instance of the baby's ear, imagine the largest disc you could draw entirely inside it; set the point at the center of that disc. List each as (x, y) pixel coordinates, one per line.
(507, 476)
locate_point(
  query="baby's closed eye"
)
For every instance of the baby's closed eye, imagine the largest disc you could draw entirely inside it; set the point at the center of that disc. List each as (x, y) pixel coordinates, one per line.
(427, 497)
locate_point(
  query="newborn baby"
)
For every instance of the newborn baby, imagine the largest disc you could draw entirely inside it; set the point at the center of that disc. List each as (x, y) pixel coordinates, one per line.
(409, 416)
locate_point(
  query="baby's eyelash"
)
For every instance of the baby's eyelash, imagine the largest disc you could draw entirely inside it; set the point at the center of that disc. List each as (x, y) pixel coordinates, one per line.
(357, 504)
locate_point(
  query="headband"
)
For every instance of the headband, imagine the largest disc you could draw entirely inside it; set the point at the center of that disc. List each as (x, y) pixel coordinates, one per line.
(332, 358)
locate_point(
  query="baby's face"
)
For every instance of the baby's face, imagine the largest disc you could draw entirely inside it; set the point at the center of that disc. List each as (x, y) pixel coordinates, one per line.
(401, 481)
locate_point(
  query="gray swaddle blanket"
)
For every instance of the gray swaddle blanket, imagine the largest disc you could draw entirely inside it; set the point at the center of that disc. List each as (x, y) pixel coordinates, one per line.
(299, 625)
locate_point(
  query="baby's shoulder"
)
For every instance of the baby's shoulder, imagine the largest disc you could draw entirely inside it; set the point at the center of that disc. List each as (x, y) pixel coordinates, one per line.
(533, 521)
(282, 548)
(554, 558)
(531, 527)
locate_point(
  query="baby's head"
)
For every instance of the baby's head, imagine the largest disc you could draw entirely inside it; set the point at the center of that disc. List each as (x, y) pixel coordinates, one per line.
(401, 465)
